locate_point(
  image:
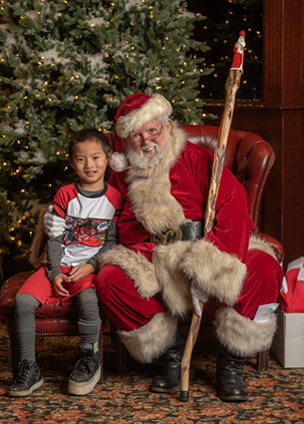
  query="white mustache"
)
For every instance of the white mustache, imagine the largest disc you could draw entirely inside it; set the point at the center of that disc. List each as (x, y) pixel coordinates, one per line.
(149, 147)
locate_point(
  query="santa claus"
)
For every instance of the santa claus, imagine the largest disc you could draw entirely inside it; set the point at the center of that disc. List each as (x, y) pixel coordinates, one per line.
(163, 265)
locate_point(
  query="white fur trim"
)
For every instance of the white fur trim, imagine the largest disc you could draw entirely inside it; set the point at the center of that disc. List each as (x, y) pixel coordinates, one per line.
(154, 108)
(220, 274)
(256, 242)
(175, 287)
(153, 204)
(151, 340)
(150, 189)
(240, 335)
(136, 266)
(161, 275)
(118, 162)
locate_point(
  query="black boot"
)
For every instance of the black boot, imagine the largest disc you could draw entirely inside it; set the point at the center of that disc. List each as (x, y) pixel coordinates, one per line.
(87, 372)
(27, 380)
(229, 370)
(169, 379)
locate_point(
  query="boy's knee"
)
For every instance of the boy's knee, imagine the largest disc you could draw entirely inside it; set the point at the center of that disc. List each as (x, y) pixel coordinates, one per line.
(26, 302)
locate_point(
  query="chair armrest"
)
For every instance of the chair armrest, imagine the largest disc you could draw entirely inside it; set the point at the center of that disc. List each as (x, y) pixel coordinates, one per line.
(9, 290)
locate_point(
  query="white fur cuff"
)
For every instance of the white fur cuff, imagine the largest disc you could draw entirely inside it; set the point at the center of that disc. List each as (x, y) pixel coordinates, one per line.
(220, 274)
(136, 267)
(151, 340)
(240, 335)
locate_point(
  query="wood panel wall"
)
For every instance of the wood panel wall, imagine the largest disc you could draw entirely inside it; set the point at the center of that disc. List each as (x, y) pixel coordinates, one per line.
(279, 118)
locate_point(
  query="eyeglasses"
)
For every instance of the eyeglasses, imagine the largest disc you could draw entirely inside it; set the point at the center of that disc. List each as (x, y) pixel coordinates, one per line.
(138, 138)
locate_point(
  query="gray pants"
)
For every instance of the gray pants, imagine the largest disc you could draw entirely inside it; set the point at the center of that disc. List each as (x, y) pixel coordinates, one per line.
(89, 321)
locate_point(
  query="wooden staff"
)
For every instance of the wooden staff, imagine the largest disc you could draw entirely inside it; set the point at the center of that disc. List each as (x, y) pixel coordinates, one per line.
(231, 87)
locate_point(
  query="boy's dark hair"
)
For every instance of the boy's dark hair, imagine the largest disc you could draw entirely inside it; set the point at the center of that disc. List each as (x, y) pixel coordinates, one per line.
(89, 134)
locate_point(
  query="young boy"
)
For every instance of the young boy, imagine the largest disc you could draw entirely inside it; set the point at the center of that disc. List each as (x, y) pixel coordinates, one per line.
(88, 208)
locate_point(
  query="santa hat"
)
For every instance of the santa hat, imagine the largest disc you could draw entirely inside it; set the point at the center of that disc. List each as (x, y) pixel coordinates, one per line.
(136, 111)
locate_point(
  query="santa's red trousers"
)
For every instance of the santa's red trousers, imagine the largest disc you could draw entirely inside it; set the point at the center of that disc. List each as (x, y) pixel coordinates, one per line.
(122, 305)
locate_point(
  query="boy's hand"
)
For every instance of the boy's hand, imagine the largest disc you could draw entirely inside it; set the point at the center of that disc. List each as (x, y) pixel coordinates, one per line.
(80, 271)
(59, 290)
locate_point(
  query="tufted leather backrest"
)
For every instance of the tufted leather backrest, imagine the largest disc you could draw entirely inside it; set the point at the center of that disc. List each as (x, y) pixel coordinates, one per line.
(248, 156)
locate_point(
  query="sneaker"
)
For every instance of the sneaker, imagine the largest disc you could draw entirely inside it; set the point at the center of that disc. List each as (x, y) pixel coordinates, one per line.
(87, 372)
(28, 379)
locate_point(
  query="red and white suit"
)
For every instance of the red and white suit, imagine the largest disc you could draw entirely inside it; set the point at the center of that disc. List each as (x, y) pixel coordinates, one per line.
(144, 288)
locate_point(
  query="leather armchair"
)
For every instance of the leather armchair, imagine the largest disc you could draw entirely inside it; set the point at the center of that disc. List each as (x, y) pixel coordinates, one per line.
(248, 156)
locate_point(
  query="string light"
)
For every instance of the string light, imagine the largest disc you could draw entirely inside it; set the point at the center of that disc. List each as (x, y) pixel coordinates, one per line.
(158, 80)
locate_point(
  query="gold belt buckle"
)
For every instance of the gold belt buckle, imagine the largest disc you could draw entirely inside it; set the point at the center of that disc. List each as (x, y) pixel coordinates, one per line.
(168, 237)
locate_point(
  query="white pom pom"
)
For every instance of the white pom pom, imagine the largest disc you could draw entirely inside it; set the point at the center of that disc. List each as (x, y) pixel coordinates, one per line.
(118, 162)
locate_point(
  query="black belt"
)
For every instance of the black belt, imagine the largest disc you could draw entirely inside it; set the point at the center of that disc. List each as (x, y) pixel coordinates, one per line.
(189, 231)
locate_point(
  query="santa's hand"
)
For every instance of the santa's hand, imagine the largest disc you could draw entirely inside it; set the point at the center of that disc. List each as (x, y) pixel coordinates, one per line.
(54, 225)
(198, 295)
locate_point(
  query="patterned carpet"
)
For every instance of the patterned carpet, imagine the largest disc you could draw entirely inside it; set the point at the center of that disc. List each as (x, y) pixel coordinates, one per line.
(276, 396)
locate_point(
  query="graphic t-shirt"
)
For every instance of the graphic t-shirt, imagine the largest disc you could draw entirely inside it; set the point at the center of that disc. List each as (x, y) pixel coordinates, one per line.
(87, 219)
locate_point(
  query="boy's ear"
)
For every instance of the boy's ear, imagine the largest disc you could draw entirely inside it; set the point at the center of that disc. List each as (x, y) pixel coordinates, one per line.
(71, 163)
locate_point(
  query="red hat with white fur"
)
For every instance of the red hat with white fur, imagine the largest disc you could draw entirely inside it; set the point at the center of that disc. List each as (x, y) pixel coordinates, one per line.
(136, 111)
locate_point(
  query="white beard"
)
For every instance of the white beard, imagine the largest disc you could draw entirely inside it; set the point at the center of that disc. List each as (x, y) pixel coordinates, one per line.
(141, 161)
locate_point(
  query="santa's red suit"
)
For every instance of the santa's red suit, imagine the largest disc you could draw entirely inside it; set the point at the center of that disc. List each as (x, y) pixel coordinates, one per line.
(144, 288)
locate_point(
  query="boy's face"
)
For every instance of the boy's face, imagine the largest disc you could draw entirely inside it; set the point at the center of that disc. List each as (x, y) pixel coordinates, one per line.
(90, 162)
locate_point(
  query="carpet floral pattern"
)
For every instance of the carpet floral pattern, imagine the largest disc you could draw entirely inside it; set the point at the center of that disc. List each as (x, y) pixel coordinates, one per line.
(276, 396)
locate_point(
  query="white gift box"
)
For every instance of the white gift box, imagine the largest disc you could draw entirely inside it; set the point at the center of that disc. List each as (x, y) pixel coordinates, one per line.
(288, 341)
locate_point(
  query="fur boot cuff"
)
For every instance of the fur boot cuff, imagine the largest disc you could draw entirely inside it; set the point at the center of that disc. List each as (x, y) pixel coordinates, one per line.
(240, 335)
(151, 340)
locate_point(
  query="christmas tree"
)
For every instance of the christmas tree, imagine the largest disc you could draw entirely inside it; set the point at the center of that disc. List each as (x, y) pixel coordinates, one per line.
(66, 65)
